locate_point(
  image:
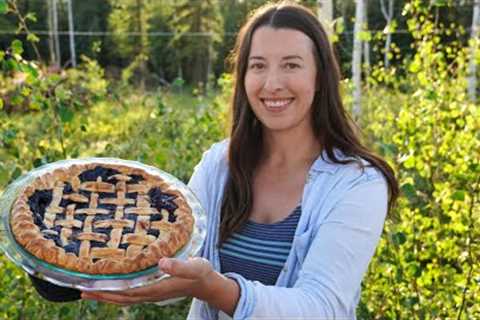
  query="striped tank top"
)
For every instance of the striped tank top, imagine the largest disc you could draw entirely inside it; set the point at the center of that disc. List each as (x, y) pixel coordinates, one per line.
(259, 251)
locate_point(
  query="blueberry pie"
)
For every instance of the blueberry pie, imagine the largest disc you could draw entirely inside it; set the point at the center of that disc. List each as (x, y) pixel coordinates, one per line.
(101, 218)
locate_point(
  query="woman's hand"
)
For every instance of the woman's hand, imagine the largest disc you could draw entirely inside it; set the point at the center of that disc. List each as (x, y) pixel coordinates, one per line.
(193, 278)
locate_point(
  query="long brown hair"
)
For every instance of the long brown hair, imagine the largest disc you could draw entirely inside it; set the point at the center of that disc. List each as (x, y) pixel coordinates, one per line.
(331, 124)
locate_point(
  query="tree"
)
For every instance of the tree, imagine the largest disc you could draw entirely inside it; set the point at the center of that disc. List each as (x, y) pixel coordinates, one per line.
(325, 14)
(73, 59)
(357, 57)
(197, 26)
(54, 41)
(388, 15)
(474, 38)
(129, 20)
(366, 39)
(162, 60)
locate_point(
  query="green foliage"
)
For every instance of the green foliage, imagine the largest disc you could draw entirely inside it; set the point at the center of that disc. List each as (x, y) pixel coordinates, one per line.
(197, 26)
(52, 116)
(169, 131)
(55, 106)
(427, 265)
(127, 16)
(20, 301)
(3, 6)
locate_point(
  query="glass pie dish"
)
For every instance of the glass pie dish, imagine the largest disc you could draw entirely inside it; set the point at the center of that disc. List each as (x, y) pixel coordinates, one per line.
(87, 281)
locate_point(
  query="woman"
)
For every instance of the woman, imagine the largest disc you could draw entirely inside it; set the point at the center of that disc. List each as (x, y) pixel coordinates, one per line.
(296, 203)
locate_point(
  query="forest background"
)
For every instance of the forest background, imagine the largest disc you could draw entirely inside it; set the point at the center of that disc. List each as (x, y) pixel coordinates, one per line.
(148, 80)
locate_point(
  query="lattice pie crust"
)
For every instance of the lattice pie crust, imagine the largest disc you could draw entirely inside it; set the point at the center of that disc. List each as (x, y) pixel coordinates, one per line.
(101, 218)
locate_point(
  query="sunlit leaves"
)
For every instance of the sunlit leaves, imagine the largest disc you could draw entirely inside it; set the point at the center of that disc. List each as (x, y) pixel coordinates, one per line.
(408, 190)
(3, 6)
(399, 238)
(65, 113)
(365, 36)
(436, 134)
(32, 38)
(31, 16)
(17, 47)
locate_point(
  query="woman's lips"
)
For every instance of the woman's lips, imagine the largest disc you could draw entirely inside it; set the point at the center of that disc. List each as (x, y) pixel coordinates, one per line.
(277, 105)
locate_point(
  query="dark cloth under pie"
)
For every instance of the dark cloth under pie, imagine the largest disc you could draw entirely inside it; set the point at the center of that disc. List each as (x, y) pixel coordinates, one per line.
(54, 293)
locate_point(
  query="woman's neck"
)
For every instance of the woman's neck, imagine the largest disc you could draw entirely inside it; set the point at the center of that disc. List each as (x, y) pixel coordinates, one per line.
(290, 149)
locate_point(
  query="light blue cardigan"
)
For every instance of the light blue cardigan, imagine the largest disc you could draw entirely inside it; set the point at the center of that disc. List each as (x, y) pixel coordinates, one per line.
(343, 212)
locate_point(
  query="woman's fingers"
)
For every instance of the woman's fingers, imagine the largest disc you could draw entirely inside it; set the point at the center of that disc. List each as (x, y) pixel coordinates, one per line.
(193, 268)
(165, 289)
(114, 298)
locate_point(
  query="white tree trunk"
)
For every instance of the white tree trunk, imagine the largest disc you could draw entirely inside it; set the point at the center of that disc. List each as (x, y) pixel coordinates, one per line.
(325, 14)
(51, 41)
(209, 62)
(366, 44)
(475, 39)
(55, 34)
(71, 35)
(357, 58)
(388, 15)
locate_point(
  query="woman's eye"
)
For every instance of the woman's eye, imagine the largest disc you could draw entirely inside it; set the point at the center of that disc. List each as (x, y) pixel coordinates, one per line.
(291, 65)
(256, 66)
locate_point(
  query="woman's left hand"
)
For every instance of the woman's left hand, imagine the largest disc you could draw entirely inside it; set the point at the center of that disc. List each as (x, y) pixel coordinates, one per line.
(188, 278)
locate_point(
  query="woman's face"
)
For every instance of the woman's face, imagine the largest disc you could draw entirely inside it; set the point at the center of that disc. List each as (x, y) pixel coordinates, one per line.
(280, 78)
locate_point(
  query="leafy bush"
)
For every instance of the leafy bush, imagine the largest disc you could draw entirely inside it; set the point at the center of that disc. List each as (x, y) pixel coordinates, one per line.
(427, 265)
(160, 129)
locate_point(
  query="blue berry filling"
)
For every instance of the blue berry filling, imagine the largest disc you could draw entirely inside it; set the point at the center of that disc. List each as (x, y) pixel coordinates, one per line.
(38, 202)
(160, 200)
(93, 174)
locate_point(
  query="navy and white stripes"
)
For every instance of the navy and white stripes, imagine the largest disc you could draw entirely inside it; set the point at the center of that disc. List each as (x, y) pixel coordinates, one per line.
(259, 251)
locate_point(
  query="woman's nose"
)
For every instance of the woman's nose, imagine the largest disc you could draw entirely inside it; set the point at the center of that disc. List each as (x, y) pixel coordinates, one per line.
(273, 81)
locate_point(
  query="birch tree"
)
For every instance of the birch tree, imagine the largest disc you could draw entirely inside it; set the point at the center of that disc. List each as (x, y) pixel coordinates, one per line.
(71, 35)
(53, 40)
(325, 14)
(474, 42)
(366, 38)
(387, 11)
(55, 33)
(357, 57)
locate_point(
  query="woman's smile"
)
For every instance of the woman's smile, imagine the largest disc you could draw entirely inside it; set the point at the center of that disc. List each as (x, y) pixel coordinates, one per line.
(277, 105)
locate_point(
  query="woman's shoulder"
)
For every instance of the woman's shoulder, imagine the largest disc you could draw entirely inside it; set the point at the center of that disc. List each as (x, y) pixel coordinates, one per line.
(219, 147)
(340, 165)
(218, 151)
(215, 157)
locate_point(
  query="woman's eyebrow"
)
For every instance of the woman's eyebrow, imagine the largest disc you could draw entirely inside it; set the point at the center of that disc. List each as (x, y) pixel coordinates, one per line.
(290, 57)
